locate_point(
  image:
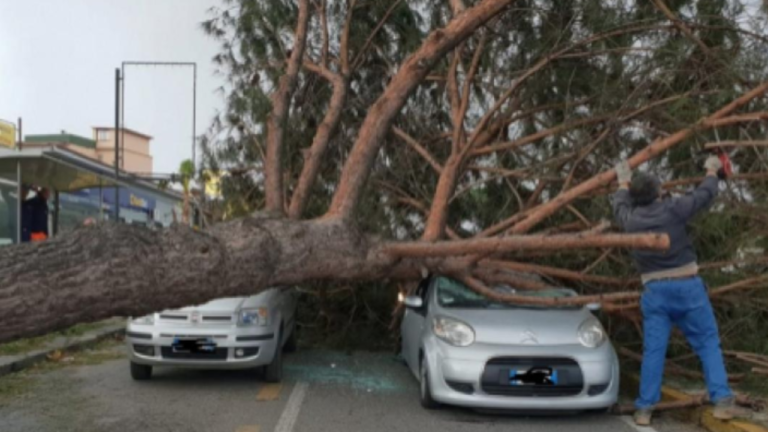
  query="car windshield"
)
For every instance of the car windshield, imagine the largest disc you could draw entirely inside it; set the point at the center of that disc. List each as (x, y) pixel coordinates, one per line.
(454, 294)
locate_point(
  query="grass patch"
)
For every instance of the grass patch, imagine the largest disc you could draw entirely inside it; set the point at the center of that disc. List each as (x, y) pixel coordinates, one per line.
(36, 343)
(16, 385)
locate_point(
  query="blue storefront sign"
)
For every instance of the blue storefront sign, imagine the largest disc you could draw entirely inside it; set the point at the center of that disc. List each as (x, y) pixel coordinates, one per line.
(128, 199)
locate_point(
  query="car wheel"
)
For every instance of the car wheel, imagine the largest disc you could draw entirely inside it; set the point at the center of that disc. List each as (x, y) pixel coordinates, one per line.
(273, 372)
(140, 372)
(426, 389)
(292, 344)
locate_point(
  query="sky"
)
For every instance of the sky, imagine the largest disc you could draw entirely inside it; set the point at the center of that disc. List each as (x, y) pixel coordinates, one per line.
(58, 60)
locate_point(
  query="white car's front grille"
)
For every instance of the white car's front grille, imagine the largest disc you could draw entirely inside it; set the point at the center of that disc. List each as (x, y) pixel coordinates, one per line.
(191, 336)
(197, 318)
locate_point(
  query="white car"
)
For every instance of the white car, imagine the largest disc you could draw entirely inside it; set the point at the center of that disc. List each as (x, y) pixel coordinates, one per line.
(468, 350)
(228, 333)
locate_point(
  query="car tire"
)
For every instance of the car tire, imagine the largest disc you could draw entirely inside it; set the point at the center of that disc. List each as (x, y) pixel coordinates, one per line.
(425, 388)
(140, 372)
(273, 372)
(292, 344)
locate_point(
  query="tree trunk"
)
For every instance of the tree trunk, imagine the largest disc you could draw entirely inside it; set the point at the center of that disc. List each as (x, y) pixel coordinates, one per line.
(107, 270)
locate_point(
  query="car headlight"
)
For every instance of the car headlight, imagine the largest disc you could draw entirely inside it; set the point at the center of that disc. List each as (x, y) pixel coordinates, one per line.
(145, 320)
(453, 331)
(253, 317)
(591, 333)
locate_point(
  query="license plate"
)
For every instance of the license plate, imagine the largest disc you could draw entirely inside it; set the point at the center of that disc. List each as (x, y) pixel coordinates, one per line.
(535, 376)
(193, 346)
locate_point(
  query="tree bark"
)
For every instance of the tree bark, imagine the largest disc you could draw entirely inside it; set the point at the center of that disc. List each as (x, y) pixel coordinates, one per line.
(379, 119)
(281, 102)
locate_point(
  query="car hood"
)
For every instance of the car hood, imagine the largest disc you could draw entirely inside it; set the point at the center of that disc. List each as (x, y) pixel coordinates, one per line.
(523, 326)
(230, 304)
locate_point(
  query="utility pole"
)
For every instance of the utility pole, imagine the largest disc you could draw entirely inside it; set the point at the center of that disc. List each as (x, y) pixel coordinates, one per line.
(117, 144)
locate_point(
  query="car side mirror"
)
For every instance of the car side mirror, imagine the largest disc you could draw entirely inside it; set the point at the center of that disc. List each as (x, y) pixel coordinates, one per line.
(594, 307)
(414, 302)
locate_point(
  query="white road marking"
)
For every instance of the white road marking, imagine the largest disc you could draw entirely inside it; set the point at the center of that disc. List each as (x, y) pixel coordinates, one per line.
(631, 422)
(291, 412)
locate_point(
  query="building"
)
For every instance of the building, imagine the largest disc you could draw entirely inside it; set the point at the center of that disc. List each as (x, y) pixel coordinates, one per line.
(134, 149)
(88, 191)
(81, 188)
(135, 154)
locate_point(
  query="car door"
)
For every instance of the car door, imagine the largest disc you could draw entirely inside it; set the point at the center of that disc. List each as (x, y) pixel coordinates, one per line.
(412, 327)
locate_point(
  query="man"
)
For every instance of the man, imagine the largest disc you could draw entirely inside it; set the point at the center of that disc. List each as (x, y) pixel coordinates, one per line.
(34, 216)
(674, 293)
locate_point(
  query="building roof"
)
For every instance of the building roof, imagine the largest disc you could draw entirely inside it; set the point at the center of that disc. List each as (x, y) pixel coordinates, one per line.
(61, 138)
(66, 171)
(130, 131)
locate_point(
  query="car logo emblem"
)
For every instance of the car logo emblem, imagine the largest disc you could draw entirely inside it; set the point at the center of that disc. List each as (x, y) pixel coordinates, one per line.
(194, 317)
(529, 336)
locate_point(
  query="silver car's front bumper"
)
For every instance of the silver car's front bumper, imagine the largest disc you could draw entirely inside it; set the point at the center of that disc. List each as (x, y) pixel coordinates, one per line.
(599, 367)
(261, 341)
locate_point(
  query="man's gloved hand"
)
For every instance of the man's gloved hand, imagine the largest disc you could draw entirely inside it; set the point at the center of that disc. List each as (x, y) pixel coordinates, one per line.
(713, 164)
(623, 172)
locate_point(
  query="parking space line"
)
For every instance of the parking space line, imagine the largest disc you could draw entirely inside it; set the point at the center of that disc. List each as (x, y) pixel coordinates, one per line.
(269, 392)
(250, 428)
(631, 422)
(291, 412)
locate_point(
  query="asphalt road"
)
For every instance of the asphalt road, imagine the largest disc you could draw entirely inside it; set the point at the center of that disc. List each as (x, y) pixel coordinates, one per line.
(324, 391)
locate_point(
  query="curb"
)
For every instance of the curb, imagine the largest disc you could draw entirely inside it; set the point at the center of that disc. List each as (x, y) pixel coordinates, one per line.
(15, 363)
(702, 416)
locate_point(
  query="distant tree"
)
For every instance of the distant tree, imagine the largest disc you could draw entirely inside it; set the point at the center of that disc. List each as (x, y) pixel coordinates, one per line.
(186, 175)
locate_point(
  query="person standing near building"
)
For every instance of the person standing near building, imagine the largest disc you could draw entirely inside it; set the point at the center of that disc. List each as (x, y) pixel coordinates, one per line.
(34, 216)
(674, 293)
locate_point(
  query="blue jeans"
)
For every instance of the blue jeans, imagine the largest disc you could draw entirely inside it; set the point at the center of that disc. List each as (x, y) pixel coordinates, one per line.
(685, 303)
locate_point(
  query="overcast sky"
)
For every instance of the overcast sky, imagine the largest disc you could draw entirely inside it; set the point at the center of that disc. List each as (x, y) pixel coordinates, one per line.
(58, 60)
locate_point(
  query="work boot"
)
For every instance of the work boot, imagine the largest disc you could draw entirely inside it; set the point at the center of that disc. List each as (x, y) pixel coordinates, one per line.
(726, 409)
(643, 416)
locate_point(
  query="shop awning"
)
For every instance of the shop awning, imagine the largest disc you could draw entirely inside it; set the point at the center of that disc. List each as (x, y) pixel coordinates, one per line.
(65, 171)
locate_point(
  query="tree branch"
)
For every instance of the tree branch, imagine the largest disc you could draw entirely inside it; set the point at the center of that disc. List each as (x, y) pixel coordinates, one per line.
(313, 157)
(281, 101)
(659, 146)
(379, 119)
(712, 145)
(529, 242)
(359, 57)
(420, 149)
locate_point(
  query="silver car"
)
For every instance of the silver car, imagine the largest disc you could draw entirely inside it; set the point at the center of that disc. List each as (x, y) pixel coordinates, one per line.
(228, 333)
(468, 350)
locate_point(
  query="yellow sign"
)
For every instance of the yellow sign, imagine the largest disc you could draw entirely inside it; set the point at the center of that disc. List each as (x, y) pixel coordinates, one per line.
(212, 184)
(7, 134)
(138, 202)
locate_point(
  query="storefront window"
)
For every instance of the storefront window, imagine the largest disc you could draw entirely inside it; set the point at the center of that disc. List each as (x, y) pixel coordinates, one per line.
(76, 207)
(8, 213)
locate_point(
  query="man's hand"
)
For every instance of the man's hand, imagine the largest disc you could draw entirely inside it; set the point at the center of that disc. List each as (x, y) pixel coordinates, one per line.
(623, 173)
(712, 165)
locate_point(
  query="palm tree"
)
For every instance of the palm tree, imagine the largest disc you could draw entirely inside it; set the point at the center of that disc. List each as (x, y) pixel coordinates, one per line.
(186, 173)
